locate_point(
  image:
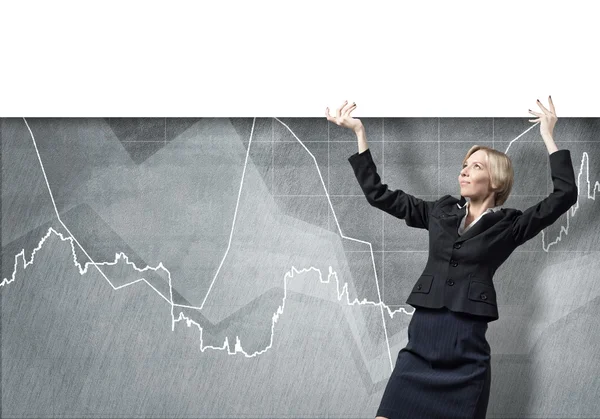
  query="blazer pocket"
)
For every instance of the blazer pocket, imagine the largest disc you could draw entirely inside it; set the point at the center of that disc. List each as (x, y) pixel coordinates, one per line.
(423, 284)
(482, 292)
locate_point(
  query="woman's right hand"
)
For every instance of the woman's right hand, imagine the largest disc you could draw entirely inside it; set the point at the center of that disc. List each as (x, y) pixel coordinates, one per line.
(343, 118)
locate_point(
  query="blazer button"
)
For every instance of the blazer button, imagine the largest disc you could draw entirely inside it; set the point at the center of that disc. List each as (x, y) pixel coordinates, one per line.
(450, 282)
(457, 245)
(442, 215)
(419, 286)
(454, 263)
(483, 296)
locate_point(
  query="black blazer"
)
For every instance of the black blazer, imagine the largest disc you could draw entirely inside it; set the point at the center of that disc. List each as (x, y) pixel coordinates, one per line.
(459, 269)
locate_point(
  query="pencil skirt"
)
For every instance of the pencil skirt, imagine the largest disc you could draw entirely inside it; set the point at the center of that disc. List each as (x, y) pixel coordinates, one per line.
(443, 371)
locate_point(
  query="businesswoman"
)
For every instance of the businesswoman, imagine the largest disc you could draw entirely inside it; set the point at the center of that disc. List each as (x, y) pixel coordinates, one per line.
(444, 371)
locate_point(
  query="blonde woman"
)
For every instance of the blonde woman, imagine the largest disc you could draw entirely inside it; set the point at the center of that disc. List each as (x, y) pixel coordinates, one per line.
(444, 371)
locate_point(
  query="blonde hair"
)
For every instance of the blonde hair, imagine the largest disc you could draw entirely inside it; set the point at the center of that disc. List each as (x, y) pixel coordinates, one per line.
(500, 171)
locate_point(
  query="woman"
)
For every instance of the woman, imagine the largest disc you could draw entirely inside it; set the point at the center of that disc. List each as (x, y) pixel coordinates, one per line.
(444, 370)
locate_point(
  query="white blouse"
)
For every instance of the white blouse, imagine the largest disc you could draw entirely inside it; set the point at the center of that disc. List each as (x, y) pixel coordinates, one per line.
(461, 227)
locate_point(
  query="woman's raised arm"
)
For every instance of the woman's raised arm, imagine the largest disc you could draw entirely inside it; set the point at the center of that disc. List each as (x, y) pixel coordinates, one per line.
(398, 203)
(534, 219)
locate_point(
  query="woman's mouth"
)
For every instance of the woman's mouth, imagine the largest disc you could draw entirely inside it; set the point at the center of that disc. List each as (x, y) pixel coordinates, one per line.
(464, 183)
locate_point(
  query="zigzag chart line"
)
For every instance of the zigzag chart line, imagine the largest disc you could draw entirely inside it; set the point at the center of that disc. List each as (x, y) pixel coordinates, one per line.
(289, 275)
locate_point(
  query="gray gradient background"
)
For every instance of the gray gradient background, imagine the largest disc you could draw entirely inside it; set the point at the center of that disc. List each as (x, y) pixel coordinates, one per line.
(165, 191)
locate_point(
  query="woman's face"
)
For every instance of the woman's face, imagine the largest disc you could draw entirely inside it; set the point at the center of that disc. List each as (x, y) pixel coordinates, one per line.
(475, 175)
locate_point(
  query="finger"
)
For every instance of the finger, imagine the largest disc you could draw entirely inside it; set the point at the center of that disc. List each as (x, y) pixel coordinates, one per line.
(338, 113)
(350, 109)
(327, 115)
(542, 106)
(535, 113)
(534, 120)
(346, 107)
(551, 104)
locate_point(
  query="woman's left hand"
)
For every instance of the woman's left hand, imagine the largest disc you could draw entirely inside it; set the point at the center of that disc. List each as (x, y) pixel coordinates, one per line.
(547, 119)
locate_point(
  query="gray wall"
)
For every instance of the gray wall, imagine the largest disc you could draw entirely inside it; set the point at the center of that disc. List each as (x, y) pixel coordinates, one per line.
(221, 267)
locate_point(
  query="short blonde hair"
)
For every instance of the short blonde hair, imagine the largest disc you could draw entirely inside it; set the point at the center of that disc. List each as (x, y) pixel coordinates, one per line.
(500, 171)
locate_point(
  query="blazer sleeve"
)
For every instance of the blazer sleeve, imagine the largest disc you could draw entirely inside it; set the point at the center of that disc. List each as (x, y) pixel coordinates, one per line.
(398, 203)
(543, 214)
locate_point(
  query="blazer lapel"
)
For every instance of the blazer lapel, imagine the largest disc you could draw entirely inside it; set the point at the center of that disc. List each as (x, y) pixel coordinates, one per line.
(455, 214)
(483, 224)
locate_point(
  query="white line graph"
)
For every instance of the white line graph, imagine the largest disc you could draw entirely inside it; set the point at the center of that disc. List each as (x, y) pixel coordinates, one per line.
(340, 291)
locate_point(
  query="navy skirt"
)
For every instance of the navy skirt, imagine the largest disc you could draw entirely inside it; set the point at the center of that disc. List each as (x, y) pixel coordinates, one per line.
(444, 370)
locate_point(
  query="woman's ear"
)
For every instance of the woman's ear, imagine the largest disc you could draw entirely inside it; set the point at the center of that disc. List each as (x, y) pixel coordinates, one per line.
(494, 188)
